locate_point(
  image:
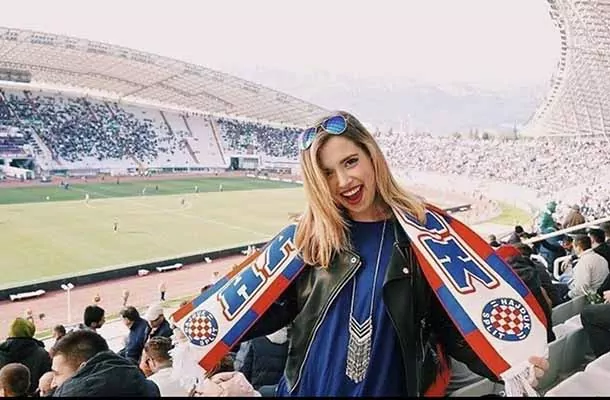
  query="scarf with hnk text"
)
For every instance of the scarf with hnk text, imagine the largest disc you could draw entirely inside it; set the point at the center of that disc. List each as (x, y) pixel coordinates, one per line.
(485, 299)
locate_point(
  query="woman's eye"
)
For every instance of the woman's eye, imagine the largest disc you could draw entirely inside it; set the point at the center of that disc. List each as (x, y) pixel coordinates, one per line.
(351, 162)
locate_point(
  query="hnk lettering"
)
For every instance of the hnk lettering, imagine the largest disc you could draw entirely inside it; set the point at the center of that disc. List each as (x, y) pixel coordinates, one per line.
(458, 265)
(241, 289)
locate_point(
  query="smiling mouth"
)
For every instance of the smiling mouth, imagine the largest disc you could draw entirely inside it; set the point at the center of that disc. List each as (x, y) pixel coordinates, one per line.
(353, 195)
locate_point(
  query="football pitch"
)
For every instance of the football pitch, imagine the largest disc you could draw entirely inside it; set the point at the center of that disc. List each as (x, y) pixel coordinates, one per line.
(65, 235)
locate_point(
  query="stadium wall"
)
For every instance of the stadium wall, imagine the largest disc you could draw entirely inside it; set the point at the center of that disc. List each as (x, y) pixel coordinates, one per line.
(121, 272)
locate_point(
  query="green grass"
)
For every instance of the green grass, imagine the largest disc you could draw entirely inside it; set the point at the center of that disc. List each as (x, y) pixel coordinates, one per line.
(44, 239)
(110, 189)
(511, 216)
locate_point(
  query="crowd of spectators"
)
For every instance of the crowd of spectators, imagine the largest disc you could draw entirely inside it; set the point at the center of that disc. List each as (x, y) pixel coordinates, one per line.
(75, 127)
(257, 138)
(573, 168)
(12, 144)
(81, 363)
(567, 169)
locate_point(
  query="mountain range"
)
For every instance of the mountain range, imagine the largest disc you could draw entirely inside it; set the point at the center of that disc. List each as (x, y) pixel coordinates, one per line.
(405, 104)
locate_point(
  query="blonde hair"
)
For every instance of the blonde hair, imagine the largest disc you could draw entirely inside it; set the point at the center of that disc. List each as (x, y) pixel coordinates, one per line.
(323, 229)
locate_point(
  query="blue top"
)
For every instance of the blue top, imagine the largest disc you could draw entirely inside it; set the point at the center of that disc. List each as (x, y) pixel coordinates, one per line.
(323, 372)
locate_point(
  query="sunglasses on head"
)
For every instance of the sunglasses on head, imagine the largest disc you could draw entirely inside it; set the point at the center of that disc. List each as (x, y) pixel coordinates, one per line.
(335, 125)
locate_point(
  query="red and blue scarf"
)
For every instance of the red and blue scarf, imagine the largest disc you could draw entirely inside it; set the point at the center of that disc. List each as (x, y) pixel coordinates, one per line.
(487, 302)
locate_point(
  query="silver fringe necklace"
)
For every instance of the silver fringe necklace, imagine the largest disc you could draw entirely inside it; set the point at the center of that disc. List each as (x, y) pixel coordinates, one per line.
(361, 334)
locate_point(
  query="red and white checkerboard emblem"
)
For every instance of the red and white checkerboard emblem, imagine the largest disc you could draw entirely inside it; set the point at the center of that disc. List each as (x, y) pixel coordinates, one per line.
(201, 328)
(507, 319)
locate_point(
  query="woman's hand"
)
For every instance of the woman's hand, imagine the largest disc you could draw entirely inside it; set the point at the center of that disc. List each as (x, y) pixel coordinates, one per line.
(540, 365)
(225, 384)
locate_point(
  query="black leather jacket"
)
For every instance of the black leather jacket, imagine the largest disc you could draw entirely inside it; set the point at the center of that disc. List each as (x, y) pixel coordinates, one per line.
(418, 318)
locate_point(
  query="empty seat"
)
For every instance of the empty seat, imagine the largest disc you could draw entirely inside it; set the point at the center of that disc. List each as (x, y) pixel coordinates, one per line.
(578, 304)
(580, 384)
(600, 366)
(563, 312)
(576, 346)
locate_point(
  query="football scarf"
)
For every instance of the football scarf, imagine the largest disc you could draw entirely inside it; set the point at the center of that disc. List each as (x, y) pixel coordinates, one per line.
(487, 302)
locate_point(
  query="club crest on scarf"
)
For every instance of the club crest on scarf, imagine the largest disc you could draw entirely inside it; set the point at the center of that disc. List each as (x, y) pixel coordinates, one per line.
(507, 319)
(201, 328)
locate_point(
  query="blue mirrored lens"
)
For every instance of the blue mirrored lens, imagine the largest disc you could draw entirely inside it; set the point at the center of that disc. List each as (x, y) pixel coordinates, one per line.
(335, 125)
(307, 138)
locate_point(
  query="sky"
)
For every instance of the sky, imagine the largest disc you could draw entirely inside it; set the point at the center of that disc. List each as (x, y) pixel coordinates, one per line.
(491, 43)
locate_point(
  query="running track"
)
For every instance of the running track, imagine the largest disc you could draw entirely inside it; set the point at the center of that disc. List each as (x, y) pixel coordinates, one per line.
(143, 291)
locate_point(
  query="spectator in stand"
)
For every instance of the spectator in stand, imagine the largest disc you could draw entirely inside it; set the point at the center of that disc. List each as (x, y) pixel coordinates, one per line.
(595, 320)
(157, 359)
(94, 318)
(573, 218)
(264, 358)
(158, 324)
(59, 331)
(14, 380)
(528, 272)
(599, 244)
(493, 241)
(589, 272)
(138, 333)
(551, 248)
(548, 288)
(85, 367)
(46, 384)
(519, 234)
(22, 347)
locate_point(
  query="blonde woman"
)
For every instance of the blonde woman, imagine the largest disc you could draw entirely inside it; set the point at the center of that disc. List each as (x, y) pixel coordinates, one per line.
(363, 319)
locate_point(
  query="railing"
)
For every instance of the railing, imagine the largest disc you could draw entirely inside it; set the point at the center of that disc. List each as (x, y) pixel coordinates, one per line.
(566, 230)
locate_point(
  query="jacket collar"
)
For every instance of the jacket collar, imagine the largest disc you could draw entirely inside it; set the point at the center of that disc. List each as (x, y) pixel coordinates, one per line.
(347, 262)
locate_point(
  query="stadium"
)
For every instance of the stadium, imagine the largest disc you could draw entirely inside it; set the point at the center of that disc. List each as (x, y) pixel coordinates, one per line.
(122, 172)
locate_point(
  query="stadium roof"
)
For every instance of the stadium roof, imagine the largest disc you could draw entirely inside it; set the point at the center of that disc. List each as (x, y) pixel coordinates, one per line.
(140, 77)
(578, 102)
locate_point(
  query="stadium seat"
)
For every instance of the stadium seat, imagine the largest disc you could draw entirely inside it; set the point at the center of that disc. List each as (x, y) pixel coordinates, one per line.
(556, 350)
(477, 389)
(580, 384)
(558, 261)
(578, 304)
(601, 366)
(574, 321)
(576, 346)
(567, 310)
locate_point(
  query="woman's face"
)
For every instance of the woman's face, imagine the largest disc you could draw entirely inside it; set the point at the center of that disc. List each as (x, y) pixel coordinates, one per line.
(351, 177)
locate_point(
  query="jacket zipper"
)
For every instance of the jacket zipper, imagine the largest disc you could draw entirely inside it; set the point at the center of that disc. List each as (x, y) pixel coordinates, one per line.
(405, 363)
(401, 347)
(320, 320)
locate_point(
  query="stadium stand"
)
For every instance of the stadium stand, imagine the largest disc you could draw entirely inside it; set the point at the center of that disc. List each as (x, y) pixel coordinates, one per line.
(135, 77)
(577, 101)
(256, 138)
